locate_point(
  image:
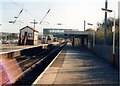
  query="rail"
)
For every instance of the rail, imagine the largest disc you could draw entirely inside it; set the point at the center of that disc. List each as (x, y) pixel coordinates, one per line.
(33, 64)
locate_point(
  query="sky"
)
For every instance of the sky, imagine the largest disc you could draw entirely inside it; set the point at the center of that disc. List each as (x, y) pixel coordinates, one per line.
(70, 13)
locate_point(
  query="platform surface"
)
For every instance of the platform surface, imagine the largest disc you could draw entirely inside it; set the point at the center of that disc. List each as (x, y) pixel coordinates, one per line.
(11, 47)
(5, 48)
(76, 65)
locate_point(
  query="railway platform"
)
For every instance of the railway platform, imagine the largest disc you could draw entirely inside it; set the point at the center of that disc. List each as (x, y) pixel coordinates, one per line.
(8, 48)
(78, 66)
(16, 65)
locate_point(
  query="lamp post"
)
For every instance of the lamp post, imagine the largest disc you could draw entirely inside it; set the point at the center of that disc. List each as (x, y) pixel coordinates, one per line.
(113, 30)
(93, 37)
(113, 54)
(84, 24)
(11, 33)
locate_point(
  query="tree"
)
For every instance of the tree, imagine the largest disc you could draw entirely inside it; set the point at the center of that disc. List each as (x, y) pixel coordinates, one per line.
(90, 30)
(100, 31)
(90, 37)
(99, 36)
(110, 21)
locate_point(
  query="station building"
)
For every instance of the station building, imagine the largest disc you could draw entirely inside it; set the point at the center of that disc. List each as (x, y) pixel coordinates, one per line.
(28, 36)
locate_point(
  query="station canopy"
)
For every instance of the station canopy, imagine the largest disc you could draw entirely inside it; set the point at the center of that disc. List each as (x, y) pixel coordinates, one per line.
(64, 32)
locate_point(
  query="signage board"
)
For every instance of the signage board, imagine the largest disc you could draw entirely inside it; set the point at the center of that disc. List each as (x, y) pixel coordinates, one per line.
(55, 31)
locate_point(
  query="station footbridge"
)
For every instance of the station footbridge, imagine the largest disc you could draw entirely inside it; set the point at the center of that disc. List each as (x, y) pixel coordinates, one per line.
(77, 37)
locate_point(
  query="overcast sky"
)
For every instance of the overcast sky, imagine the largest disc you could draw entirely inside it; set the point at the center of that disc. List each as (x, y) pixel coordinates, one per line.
(70, 13)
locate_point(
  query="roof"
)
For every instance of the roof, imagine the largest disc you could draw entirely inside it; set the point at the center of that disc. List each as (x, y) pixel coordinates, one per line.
(65, 31)
(30, 28)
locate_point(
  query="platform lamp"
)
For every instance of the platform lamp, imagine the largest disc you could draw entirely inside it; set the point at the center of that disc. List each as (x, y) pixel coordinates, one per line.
(11, 34)
(93, 37)
(113, 30)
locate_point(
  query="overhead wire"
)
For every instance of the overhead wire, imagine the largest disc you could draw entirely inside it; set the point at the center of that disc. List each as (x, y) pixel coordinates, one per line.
(17, 16)
(16, 4)
(45, 16)
(25, 10)
(19, 12)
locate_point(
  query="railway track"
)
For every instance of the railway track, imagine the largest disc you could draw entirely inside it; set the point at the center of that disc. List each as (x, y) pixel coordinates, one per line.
(28, 60)
(34, 63)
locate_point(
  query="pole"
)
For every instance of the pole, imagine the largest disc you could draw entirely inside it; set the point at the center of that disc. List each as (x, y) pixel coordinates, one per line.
(94, 40)
(34, 23)
(84, 25)
(113, 55)
(93, 36)
(105, 25)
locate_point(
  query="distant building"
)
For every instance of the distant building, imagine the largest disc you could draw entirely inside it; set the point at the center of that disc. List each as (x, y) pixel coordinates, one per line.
(28, 36)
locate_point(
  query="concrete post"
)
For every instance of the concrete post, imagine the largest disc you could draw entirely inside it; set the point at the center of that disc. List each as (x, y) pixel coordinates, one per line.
(105, 24)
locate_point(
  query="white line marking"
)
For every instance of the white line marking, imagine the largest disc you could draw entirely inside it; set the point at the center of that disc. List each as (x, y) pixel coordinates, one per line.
(40, 76)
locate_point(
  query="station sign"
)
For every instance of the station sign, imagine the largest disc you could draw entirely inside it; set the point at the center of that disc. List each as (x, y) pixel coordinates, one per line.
(55, 31)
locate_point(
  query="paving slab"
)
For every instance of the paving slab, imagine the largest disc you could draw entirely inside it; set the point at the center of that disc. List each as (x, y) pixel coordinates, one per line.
(77, 65)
